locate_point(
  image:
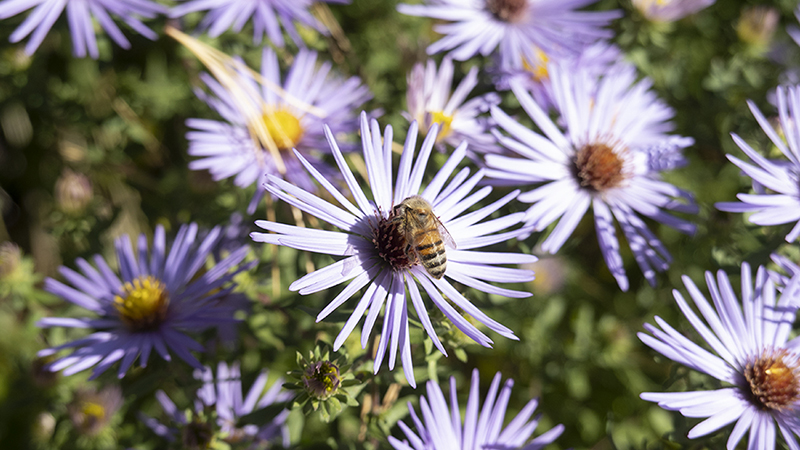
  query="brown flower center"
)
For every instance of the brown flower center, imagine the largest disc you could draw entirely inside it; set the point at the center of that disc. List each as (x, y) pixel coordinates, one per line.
(507, 10)
(598, 167)
(391, 243)
(773, 384)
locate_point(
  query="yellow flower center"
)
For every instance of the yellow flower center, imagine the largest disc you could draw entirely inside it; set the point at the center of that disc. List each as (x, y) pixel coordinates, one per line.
(773, 384)
(284, 128)
(538, 68)
(444, 122)
(93, 411)
(143, 303)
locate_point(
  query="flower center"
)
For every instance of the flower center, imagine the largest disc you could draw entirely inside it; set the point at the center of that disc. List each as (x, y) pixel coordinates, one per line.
(773, 384)
(197, 434)
(284, 128)
(391, 243)
(507, 10)
(322, 379)
(444, 122)
(538, 68)
(598, 167)
(93, 411)
(143, 303)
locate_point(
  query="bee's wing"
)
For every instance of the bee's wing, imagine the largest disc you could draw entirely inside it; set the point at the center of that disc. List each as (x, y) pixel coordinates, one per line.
(446, 238)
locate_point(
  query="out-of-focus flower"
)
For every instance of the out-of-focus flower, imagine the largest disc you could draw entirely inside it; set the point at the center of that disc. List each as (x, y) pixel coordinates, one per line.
(752, 354)
(73, 192)
(227, 148)
(594, 60)
(224, 400)
(429, 101)
(757, 25)
(518, 27)
(481, 428)
(91, 410)
(268, 17)
(609, 160)
(10, 260)
(322, 383)
(80, 16)
(149, 306)
(378, 255)
(669, 10)
(322, 379)
(776, 183)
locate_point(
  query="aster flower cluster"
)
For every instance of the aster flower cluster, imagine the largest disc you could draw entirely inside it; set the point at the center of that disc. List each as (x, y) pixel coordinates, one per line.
(530, 128)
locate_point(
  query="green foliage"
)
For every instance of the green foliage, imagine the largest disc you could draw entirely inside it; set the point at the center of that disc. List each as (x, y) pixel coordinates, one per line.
(119, 124)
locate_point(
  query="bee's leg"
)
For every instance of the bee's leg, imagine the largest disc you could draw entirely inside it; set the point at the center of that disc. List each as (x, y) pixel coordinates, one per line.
(411, 255)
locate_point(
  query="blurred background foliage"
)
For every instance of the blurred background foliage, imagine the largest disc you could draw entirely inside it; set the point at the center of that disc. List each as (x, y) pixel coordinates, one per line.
(92, 150)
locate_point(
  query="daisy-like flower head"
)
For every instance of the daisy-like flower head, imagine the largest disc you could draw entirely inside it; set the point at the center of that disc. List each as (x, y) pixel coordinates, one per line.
(225, 396)
(382, 251)
(443, 428)
(751, 352)
(776, 183)
(429, 100)
(608, 159)
(595, 59)
(80, 15)
(518, 27)
(148, 305)
(227, 148)
(669, 10)
(268, 17)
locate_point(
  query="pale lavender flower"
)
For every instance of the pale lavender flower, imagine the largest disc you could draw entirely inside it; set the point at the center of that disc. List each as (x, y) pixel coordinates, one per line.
(669, 10)
(149, 305)
(443, 428)
(595, 59)
(518, 27)
(226, 398)
(776, 183)
(268, 16)
(374, 249)
(609, 159)
(80, 16)
(227, 148)
(751, 354)
(429, 100)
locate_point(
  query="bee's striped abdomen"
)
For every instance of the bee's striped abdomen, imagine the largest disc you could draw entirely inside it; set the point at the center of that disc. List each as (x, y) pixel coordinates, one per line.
(432, 255)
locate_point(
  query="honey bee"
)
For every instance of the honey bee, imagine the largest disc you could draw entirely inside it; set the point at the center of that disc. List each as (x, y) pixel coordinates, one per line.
(425, 235)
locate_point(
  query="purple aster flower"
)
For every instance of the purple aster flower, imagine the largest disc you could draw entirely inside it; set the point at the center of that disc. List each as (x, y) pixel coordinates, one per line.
(444, 430)
(268, 17)
(519, 27)
(669, 10)
(226, 397)
(429, 100)
(595, 59)
(776, 183)
(148, 306)
(616, 143)
(227, 148)
(752, 354)
(377, 255)
(79, 15)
